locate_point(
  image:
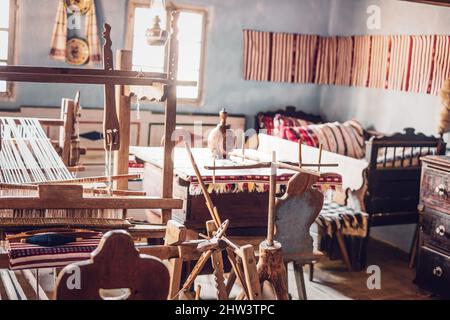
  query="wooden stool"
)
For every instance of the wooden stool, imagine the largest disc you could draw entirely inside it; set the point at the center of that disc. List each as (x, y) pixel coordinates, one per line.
(298, 262)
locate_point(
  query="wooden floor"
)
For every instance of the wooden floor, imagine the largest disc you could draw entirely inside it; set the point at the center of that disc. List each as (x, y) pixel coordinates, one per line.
(332, 281)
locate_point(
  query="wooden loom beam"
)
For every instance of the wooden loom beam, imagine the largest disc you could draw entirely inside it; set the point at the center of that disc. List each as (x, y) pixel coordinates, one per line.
(99, 179)
(71, 197)
(90, 203)
(124, 63)
(68, 112)
(170, 118)
(52, 122)
(80, 76)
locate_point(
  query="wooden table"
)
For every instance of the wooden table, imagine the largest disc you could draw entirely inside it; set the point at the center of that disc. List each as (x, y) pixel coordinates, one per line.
(246, 210)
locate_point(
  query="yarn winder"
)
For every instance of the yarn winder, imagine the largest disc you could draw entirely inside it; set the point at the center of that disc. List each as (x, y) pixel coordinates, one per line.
(299, 207)
(271, 266)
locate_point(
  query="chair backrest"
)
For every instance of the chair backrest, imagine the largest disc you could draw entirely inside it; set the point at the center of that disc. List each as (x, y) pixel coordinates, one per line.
(394, 170)
(115, 265)
(296, 211)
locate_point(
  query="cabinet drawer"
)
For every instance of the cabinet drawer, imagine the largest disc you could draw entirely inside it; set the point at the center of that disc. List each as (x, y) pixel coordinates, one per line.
(436, 229)
(433, 271)
(435, 189)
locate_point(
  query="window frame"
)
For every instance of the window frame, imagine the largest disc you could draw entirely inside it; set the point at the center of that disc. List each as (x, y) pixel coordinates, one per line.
(133, 4)
(13, 11)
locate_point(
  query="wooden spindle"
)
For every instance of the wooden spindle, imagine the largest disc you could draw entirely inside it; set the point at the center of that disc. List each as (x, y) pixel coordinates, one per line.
(300, 160)
(394, 157)
(386, 150)
(272, 196)
(205, 192)
(403, 156)
(243, 144)
(214, 171)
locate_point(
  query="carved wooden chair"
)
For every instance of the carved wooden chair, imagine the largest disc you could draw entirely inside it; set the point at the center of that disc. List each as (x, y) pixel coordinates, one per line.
(115, 271)
(296, 211)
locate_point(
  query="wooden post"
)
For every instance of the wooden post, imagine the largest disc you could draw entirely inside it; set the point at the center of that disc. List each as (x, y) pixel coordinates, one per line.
(67, 114)
(320, 158)
(251, 273)
(175, 234)
(170, 115)
(272, 196)
(217, 265)
(123, 106)
(111, 128)
(271, 268)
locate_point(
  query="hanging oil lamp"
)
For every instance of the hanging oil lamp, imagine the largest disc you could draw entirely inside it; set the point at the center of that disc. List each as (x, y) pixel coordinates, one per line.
(157, 36)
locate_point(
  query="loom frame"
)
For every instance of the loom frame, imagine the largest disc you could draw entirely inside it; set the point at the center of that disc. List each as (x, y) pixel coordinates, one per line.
(120, 79)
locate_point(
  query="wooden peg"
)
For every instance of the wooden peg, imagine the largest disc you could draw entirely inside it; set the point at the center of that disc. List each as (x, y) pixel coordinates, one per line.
(300, 160)
(214, 171)
(198, 292)
(320, 157)
(243, 144)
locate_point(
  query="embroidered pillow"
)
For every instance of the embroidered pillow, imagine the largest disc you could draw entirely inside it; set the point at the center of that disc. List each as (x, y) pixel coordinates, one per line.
(343, 138)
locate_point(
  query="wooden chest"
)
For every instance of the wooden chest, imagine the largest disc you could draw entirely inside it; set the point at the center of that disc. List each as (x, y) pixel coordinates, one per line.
(433, 270)
(247, 211)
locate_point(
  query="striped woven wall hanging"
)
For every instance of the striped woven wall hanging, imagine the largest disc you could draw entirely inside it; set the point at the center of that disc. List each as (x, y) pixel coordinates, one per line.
(418, 64)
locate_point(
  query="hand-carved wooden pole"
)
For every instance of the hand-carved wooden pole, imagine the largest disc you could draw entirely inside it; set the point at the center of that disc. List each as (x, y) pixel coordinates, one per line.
(170, 114)
(110, 121)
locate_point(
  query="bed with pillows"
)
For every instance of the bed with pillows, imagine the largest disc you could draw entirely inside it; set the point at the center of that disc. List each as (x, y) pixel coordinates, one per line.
(346, 138)
(380, 173)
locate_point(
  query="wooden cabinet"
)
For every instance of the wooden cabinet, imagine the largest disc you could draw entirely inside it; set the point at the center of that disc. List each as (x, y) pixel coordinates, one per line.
(433, 270)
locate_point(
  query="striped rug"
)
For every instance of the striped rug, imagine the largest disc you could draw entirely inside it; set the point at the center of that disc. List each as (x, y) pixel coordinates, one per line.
(27, 256)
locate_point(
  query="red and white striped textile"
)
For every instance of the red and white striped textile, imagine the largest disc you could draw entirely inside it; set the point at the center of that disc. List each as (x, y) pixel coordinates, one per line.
(412, 63)
(257, 55)
(23, 256)
(305, 54)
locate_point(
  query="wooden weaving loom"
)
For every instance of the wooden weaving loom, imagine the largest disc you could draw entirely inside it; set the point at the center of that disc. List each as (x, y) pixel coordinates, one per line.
(37, 188)
(66, 139)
